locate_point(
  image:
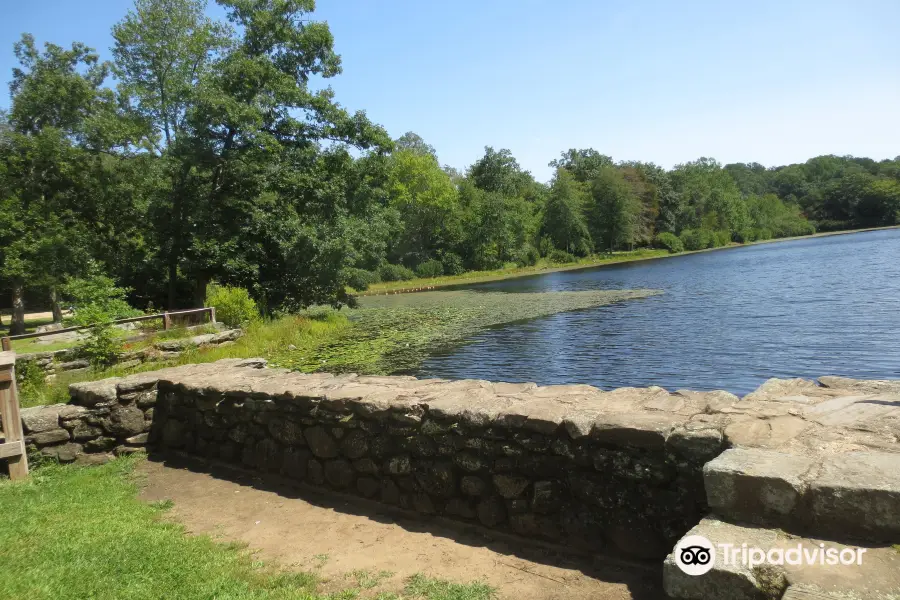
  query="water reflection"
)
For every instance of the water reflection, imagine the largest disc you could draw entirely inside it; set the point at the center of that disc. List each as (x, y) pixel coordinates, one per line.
(728, 320)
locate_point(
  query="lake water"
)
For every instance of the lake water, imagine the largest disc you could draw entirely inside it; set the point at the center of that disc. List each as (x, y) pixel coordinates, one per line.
(728, 319)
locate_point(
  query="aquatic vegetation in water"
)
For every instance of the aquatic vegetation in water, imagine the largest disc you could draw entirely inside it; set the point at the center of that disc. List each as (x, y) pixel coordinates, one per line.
(394, 334)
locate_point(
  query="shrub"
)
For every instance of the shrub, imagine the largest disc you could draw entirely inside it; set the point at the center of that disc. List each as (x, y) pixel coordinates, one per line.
(693, 239)
(744, 236)
(234, 306)
(97, 298)
(561, 256)
(389, 272)
(721, 238)
(29, 376)
(102, 347)
(430, 268)
(360, 279)
(527, 256)
(670, 242)
(453, 264)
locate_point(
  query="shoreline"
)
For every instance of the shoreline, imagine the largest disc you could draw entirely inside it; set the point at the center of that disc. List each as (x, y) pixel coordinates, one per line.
(422, 285)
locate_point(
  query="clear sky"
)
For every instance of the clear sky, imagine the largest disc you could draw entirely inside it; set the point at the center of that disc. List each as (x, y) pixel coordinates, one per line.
(771, 81)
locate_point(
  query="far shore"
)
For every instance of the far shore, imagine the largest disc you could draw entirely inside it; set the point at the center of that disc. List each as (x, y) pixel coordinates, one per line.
(644, 254)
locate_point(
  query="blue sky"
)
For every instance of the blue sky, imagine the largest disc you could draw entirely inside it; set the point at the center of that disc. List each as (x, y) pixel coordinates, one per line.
(772, 82)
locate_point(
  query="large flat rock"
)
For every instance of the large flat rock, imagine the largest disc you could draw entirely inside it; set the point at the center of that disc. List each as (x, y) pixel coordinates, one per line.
(851, 495)
(872, 575)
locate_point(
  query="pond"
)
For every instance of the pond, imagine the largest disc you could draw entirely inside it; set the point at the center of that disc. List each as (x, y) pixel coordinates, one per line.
(727, 319)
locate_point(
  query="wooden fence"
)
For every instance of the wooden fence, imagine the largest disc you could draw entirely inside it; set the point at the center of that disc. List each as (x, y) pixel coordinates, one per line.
(12, 448)
(6, 345)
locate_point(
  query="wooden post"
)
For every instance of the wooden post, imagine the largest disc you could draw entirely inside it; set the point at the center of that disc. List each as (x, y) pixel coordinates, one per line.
(212, 314)
(5, 344)
(167, 321)
(13, 448)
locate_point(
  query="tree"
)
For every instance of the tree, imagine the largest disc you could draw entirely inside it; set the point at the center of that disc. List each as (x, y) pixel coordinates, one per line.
(585, 164)
(259, 169)
(60, 123)
(564, 219)
(414, 142)
(613, 211)
(426, 200)
(163, 51)
(498, 171)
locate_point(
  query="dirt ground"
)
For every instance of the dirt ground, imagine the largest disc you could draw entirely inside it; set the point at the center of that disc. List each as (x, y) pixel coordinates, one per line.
(337, 536)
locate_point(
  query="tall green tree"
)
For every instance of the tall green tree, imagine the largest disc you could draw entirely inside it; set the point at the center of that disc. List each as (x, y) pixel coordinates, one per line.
(61, 127)
(261, 163)
(613, 211)
(427, 202)
(564, 220)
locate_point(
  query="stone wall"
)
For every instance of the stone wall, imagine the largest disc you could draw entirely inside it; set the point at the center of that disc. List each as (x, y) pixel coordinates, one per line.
(628, 471)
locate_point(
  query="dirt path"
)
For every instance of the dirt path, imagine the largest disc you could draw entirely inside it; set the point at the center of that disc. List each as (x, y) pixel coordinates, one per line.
(335, 536)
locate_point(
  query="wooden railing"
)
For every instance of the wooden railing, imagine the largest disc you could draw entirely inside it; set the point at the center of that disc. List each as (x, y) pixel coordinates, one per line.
(12, 448)
(6, 345)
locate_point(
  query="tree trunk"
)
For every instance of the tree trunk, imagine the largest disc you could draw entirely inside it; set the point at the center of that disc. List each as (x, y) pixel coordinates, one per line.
(200, 284)
(54, 305)
(173, 281)
(17, 327)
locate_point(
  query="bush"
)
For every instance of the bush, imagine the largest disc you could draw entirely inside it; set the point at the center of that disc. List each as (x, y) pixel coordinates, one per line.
(389, 272)
(453, 264)
(97, 299)
(744, 236)
(29, 376)
(561, 256)
(430, 269)
(721, 238)
(360, 279)
(102, 347)
(234, 306)
(527, 256)
(694, 239)
(670, 242)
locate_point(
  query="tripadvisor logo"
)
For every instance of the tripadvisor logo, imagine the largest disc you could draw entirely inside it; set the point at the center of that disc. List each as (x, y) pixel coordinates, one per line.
(696, 555)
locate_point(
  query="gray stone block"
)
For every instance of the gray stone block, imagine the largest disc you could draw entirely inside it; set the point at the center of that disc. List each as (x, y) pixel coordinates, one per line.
(857, 495)
(756, 485)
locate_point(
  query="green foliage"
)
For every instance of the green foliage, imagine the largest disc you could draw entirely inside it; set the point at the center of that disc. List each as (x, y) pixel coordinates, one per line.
(453, 263)
(430, 269)
(233, 305)
(613, 211)
(696, 239)
(220, 154)
(102, 347)
(360, 279)
(389, 272)
(670, 242)
(564, 219)
(29, 376)
(527, 256)
(97, 299)
(561, 256)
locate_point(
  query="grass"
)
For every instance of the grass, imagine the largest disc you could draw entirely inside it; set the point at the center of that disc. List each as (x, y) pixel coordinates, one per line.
(136, 339)
(268, 339)
(543, 266)
(72, 532)
(387, 334)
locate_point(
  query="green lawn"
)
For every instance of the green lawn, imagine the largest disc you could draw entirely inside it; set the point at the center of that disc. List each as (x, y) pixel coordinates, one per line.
(543, 266)
(71, 532)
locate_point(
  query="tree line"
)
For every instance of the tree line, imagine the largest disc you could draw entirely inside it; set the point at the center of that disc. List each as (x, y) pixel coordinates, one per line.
(209, 150)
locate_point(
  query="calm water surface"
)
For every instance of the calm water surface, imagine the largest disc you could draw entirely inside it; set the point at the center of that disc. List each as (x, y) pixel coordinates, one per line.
(728, 320)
